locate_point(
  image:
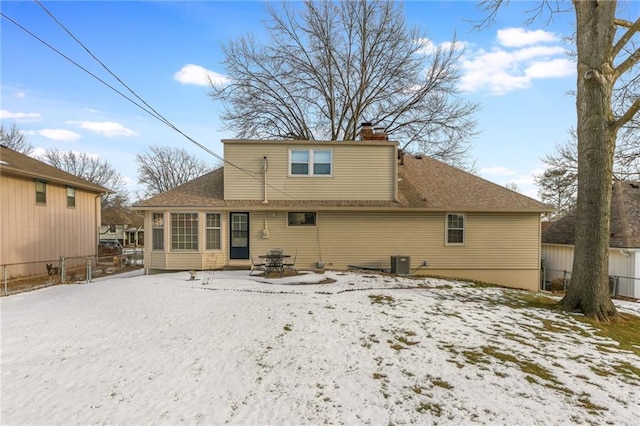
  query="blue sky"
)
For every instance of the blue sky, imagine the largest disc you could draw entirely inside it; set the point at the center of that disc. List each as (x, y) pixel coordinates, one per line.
(518, 73)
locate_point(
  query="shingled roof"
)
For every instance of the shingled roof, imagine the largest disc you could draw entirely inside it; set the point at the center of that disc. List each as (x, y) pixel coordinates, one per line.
(624, 222)
(15, 163)
(423, 183)
(121, 216)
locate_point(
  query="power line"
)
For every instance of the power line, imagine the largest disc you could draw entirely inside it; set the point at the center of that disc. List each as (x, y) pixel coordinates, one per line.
(151, 111)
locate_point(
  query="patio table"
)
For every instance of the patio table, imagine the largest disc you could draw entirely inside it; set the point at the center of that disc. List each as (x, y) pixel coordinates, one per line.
(274, 262)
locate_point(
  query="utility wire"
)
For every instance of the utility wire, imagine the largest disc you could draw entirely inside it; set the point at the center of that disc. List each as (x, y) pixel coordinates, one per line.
(151, 111)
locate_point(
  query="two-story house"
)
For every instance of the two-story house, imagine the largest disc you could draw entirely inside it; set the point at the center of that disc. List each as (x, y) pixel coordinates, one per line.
(345, 203)
(45, 213)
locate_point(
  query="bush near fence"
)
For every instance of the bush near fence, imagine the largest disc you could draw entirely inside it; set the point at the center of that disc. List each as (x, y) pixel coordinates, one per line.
(66, 270)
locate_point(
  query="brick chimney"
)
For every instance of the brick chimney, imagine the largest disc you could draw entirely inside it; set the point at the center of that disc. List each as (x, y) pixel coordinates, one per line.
(369, 133)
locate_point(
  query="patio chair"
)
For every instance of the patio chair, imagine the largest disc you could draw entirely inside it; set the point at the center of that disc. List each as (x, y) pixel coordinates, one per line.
(288, 263)
(257, 264)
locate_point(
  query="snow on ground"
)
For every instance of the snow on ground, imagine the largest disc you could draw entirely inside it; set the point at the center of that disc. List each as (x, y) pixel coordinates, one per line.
(367, 349)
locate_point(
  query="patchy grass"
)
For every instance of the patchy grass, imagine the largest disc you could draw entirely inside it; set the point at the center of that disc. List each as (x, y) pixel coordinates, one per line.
(434, 408)
(625, 331)
(382, 299)
(441, 383)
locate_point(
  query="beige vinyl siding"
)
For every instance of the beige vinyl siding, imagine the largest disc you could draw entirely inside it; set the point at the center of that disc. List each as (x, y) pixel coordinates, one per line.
(31, 232)
(358, 174)
(156, 260)
(499, 248)
(498, 242)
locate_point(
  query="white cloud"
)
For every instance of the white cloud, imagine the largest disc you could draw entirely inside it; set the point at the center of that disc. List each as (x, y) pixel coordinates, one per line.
(560, 67)
(497, 171)
(518, 37)
(21, 95)
(105, 128)
(504, 69)
(195, 74)
(18, 116)
(429, 47)
(95, 111)
(61, 135)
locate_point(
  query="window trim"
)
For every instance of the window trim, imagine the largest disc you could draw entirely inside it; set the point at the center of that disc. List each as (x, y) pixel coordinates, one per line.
(311, 153)
(154, 245)
(447, 229)
(194, 243)
(207, 228)
(44, 192)
(315, 219)
(71, 199)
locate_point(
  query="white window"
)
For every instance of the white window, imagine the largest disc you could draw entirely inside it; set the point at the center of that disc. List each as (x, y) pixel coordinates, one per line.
(310, 162)
(71, 197)
(41, 192)
(455, 229)
(158, 231)
(213, 231)
(302, 218)
(184, 231)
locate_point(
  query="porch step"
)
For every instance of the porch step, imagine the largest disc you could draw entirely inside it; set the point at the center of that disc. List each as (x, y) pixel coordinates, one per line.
(236, 267)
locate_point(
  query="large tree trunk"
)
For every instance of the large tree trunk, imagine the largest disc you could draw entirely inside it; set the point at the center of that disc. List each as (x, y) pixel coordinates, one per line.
(589, 289)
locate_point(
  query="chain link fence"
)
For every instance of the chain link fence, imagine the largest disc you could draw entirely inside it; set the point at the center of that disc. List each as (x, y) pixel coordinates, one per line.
(26, 276)
(559, 280)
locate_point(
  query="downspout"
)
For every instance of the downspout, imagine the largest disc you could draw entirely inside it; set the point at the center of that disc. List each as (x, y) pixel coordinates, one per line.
(98, 216)
(395, 173)
(264, 168)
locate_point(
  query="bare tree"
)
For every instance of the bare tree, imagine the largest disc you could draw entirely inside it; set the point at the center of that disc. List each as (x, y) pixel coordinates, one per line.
(162, 168)
(512, 186)
(328, 66)
(91, 168)
(13, 138)
(607, 104)
(558, 185)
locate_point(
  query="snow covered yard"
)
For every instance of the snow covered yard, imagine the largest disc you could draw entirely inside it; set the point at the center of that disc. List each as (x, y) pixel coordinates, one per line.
(366, 349)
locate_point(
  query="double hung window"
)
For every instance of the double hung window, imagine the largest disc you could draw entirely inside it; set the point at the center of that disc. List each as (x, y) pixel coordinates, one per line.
(41, 192)
(213, 231)
(71, 197)
(158, 231)
(455, 229)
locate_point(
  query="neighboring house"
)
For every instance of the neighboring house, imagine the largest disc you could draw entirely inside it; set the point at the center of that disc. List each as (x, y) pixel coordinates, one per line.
(624, 245)
(339, 204)
(45, 213)
(123, 225)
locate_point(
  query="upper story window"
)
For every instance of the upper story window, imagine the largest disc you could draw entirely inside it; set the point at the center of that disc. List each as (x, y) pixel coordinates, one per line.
(455, 229)
(157, 237)
(310, 162)
(184, 231)
(71, 197)
(41, 192)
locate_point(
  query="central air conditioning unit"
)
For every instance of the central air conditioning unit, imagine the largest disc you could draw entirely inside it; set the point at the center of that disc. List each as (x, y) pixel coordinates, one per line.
(401, 265)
